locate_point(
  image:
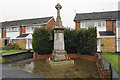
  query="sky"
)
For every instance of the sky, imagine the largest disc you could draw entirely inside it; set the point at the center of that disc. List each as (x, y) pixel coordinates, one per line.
(27, 9)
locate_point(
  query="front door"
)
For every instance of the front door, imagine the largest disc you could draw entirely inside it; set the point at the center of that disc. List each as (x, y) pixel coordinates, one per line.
(29, 43)
(6, 41)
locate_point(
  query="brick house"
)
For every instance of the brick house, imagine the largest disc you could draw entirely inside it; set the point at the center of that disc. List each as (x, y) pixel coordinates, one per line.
(107, 25)
(21, 31)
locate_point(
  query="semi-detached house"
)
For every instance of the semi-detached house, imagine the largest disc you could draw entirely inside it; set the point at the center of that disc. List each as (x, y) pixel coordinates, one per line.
(107, 25)
(21, 31)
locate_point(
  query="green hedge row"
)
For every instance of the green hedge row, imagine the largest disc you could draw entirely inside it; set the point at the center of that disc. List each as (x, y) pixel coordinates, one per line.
(82, 41)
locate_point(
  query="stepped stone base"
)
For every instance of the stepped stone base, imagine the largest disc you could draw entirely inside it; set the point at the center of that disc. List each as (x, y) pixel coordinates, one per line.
(67, 62)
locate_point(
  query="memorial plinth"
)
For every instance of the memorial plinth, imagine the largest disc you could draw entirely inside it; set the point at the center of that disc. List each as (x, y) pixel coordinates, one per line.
(59, 55)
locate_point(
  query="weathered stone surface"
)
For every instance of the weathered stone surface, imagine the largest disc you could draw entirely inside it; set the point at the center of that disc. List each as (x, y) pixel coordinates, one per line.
(58, 19)
(59, 55)
(67, 62)
(58, 41)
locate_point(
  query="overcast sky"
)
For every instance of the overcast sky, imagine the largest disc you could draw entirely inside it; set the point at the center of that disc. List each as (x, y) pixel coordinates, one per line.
(26, 9)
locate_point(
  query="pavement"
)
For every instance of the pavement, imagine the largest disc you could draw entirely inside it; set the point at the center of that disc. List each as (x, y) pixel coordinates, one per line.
(9, 73)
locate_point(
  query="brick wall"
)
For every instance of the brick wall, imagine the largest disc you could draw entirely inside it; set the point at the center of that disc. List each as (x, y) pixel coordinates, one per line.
(50, 24)
(22, 29)
(3, 33)
(21, 43)
(108, 44)
(87, 57)
(77, 25)
(2, 43)
(109, 24)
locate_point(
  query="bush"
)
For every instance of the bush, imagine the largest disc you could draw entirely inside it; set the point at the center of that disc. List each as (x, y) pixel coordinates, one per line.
(42, 41)
(12, 46)
(15, 45)
(82, 41)
(70, 41)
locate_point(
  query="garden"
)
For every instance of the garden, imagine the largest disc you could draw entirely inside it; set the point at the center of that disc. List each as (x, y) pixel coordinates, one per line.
(113, 59)
(12, 52)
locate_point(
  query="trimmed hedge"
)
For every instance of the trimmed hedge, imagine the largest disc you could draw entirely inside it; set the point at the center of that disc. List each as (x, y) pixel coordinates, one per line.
(82, 41)
(42, 41)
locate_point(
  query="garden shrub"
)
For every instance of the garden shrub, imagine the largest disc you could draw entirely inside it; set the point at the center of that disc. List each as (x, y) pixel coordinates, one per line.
(42, 41)
(12, 46)
(82, 41)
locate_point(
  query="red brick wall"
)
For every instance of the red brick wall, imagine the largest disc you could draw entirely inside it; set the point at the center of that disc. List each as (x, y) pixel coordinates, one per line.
(77, 25)
(87, 57)
(50, 24)
(109, 25)
(22, 29)
(3, 33)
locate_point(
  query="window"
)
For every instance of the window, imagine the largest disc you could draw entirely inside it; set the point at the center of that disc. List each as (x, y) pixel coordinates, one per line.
(89, 24)
(28, 29)
(7, 29)
(13, 29)
(101, 23)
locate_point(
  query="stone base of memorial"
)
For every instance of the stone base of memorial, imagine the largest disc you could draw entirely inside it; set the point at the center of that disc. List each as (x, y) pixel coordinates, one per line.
(55, 63)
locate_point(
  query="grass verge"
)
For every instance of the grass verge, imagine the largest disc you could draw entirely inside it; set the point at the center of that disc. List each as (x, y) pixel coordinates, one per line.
(114, 59)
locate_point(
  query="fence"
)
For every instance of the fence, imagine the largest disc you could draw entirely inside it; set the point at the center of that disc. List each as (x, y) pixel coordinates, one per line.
(105, 73)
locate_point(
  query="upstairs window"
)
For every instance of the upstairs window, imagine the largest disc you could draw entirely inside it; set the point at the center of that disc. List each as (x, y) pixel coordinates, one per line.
(101, 23)
(7, 29)
(14, 29)
(29, 29)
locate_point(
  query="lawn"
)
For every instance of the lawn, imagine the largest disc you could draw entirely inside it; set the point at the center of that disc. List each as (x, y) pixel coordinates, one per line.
(12, 51)
(114, 60)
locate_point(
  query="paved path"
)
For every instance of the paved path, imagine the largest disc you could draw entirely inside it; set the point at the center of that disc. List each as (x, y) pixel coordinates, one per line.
(9, 73)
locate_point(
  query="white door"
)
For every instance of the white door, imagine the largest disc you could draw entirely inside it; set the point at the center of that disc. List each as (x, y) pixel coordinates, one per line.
(98, 45)
(118, 46)
(29, 43)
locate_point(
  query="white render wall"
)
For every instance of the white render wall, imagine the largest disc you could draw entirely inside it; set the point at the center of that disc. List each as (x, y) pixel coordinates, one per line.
(95, 22)
(118, 35)
(0, 32)
(12, 35)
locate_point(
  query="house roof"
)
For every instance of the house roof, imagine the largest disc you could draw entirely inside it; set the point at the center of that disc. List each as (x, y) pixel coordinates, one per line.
(22, 35)
(97, 15)
(107, 33)
(25, 22)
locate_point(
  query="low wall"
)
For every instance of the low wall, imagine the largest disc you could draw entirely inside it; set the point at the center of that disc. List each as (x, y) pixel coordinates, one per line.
(37, 56)
(105, 73)
(16, 57)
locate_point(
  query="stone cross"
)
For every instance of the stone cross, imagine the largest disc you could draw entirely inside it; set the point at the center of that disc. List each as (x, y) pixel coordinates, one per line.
(58, 19)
